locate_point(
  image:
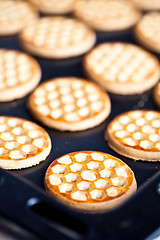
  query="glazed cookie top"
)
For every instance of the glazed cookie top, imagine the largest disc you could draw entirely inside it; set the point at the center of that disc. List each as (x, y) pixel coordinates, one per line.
(69, 99)
(21, 139)
(88, 177)
(139, 129)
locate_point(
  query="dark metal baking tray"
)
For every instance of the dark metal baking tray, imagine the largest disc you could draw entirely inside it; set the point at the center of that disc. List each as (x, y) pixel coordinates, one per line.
(22, 195)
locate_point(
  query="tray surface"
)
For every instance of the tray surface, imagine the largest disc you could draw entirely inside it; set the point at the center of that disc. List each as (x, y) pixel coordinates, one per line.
(93, 139)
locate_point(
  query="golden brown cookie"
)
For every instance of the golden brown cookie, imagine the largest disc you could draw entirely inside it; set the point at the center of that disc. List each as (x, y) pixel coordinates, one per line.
(90, 181)
(122, 68)
(15, 15)
(19, 74)
(57, 37)
(147, 4)
(69, 103)
(147, 31)
(54, 6)
(107, 15)
(22, 143)
(136, 134)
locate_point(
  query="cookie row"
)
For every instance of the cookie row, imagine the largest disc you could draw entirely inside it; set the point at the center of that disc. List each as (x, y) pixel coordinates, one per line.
(94, 13)
(105, 64)
(44, 35)
(20, 13)
(61, 37)
(65, 6)
(135, 134)
(88, 180)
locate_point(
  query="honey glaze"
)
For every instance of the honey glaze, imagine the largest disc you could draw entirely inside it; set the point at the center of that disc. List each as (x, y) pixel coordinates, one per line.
(21, 139)
(89, 177)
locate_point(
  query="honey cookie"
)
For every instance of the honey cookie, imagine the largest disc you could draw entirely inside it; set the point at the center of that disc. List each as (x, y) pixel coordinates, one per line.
(122, 68)
(19, 74)
(69, 103)
(54, 6)
(57, 37)
(22, 143)
(147, 31)
(136, 134)
(107, 15)
(157, 94)
(147, 4)
(90, 181)
(14, 15)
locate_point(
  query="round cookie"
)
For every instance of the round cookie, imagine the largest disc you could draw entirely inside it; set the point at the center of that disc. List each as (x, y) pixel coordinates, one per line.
(136, 134)
(107, 15)
(147, 31)
(157, 94)
(90, 181)
(54, 6)
(122, 68)
(19, 74)
(147, 4)
(14, 15)
(22, 143)
(69, 103)
(57, 37)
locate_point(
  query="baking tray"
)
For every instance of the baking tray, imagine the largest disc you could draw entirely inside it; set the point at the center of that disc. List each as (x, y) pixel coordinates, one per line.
(22, 195)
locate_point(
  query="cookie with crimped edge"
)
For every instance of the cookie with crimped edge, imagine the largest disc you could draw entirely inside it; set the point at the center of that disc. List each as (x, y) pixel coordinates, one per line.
(107, 15)
(136, 134)
(23, 143)
(16, 14)
(147, 4)
(156, 94)
(57, 37)
(54, 6)
(90, 181)
(69, 104)
(19, 74)
(122, 68)
(147, 31)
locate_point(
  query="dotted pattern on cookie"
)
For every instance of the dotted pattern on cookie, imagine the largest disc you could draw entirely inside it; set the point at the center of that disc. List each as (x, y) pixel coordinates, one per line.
(149, 27)
(69, 99)
(89, 177)
(121, 63)
(20, 139)
(16, 12)
(16, 68)
(55, 32)
(138, 129)
(100, 11)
